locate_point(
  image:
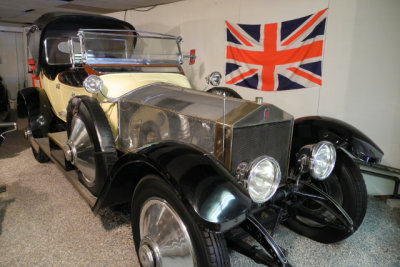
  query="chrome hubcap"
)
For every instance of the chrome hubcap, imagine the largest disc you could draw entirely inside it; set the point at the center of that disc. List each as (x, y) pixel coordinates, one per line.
(149, 254)
(146, 256)
(80, 150)
(165, 240)
(70, 152)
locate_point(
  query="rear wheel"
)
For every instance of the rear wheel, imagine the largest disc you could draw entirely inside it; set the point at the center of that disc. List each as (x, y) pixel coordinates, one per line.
(39, 155)
(347, 187)
(38, 119)
(166, 234)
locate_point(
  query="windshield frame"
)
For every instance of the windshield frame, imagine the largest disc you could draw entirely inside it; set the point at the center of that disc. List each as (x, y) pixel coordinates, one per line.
(104, 62)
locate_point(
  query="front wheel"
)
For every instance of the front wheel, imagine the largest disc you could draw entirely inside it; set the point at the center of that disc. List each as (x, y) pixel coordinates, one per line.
(164, 232)
(347, 187)
(90, 142)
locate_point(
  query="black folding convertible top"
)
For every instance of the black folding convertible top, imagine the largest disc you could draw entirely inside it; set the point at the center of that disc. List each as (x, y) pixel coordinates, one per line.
(62, 24)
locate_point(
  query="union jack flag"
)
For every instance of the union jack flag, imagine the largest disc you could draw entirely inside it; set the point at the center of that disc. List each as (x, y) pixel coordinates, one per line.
(276, 56)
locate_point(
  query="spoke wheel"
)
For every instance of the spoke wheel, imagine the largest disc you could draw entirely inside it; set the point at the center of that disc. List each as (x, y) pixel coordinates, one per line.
(166, 234)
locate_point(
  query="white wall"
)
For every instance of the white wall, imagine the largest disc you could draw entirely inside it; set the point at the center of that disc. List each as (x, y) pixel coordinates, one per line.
(362, 70)
(361, 73)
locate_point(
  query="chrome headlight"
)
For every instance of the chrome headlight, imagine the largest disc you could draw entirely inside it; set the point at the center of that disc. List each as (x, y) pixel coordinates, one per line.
(261, 178)
(93, 84)
(322, 161)
(214, 78)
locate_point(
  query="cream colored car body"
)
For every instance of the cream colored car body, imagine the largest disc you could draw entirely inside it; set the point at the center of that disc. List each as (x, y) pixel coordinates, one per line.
(114, 86)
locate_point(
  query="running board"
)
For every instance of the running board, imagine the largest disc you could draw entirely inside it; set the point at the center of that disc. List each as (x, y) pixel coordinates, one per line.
(390, 174)
(57, 142)
(53, 146)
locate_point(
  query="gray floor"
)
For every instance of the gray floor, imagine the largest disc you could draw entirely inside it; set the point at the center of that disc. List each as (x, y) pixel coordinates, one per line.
(45, 222)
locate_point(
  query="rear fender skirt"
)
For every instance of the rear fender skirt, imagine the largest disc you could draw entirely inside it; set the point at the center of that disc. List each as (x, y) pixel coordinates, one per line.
(309, 130)
(206, 187)
(34, 104)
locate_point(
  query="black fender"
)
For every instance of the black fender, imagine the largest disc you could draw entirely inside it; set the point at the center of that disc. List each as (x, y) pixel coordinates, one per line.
(205, 186)
(309, 130)
(33, 103)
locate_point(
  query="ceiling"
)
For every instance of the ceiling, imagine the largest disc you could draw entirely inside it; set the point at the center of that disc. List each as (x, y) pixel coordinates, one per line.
(24, 12)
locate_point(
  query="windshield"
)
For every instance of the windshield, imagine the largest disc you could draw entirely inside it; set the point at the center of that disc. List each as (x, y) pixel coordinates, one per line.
(112, 48)
(58, 50)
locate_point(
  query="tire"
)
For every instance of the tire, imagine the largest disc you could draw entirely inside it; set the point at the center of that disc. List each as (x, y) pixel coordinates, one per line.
(30, 107)
(151, 195)
(89, 134)
(221, 90)
(347, 187)
(40, 156)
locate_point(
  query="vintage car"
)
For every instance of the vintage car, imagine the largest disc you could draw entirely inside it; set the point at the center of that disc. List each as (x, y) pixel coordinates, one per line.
(201, 172)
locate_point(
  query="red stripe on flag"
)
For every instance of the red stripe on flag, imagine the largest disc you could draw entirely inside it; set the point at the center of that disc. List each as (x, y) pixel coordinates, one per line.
(305, 75)
(237, 34)
(304, 28)
(242, 76)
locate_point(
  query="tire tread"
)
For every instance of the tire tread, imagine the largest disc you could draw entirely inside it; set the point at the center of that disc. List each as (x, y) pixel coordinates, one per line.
(218, 253)
(40, 156)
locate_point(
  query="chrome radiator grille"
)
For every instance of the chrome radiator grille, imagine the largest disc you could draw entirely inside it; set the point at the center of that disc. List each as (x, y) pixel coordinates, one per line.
(271, 139)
